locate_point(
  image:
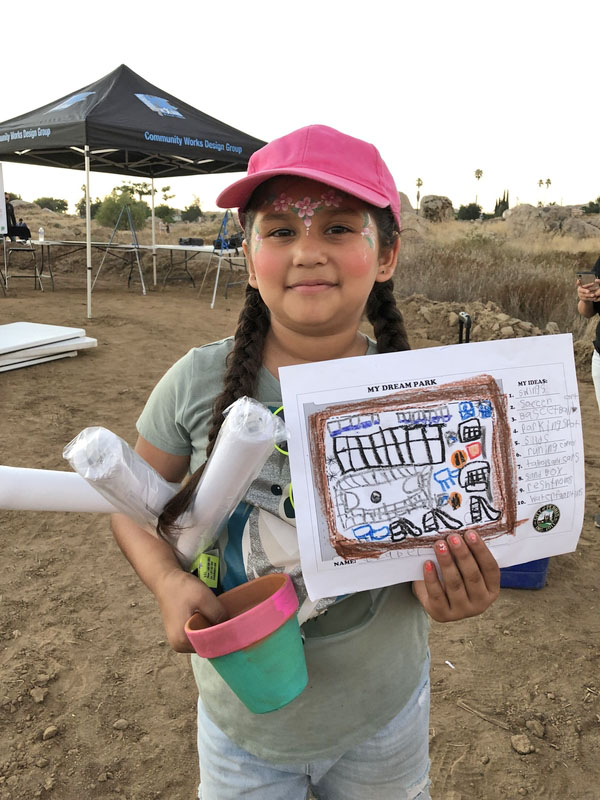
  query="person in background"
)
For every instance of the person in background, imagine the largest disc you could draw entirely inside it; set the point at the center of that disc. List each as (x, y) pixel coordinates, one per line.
(11, 222)
(588, 305)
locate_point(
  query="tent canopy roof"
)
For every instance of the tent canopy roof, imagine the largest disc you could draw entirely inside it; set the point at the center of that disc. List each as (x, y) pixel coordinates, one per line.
(131, 128)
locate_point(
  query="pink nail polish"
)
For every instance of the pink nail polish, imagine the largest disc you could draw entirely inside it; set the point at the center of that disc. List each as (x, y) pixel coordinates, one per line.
(429, 566)
(472, 536)
(455, 540)
(442, 547)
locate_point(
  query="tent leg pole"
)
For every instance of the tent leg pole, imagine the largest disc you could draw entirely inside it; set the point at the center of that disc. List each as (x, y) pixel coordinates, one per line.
(88, 232)
(153, 237)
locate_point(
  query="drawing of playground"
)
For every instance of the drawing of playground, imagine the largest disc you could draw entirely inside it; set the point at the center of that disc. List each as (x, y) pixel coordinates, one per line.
(399, 471)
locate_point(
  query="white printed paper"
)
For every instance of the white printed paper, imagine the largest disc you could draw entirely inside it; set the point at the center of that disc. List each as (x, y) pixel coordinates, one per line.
(388, 453)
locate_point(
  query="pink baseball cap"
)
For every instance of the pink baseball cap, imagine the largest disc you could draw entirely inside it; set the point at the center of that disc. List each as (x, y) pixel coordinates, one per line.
(322, 154)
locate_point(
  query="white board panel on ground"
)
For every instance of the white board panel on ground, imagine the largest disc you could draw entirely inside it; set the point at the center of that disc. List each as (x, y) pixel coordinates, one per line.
(21, 335)
(80, 343)
(32, 361)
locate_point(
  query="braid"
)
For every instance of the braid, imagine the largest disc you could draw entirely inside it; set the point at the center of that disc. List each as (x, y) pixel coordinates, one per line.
(386, 319)
(243, 367)
(244, 361)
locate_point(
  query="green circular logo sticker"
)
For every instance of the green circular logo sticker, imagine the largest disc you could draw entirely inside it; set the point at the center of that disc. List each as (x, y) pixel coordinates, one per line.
(546, 518)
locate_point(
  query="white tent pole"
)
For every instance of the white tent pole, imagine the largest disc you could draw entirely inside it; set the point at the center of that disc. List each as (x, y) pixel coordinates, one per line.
(88, 232)
(153, 237)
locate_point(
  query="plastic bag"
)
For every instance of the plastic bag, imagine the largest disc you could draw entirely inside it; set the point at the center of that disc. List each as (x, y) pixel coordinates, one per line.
(120, 475)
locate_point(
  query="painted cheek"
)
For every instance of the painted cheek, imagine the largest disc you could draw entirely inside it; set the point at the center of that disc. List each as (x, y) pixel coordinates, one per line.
(267, 265)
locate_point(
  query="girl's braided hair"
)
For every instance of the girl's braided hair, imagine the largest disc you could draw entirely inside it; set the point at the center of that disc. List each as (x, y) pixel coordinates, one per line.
(245, 360)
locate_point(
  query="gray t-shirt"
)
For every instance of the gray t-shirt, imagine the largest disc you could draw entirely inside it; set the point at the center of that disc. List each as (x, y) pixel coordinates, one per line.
(365, 653)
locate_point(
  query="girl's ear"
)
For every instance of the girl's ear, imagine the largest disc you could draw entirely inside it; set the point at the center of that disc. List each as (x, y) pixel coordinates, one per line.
(251, 270)
(387, 262)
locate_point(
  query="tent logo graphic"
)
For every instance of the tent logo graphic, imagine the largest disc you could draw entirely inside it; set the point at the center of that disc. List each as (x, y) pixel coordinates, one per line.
(70, 101)
(161, 106)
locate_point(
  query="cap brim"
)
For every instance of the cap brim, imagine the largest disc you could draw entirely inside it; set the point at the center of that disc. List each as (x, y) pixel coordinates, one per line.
(238, 194)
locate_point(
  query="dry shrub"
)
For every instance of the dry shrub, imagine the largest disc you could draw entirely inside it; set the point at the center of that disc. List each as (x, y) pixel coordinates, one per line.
(534, 286)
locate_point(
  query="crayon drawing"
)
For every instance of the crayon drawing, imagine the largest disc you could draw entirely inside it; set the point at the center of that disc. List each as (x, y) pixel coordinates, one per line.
(399, 471)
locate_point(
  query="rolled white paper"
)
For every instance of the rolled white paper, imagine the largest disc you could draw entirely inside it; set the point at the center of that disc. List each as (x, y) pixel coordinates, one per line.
(49, 490)
(245, 442)
(119, 474)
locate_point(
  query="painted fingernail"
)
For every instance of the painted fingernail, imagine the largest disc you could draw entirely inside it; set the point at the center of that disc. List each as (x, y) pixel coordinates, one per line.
(455, 541)
(442, 547)
(429, 566)
(472, 536)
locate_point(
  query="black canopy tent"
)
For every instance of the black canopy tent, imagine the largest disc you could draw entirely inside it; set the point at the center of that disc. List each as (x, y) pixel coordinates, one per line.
(123, 124)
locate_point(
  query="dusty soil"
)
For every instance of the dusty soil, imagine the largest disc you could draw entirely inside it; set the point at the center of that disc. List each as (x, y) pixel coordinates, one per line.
(94, 704)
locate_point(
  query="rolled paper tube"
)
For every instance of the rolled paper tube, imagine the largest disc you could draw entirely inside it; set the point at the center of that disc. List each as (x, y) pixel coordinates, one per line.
(24, 489)
(119, 474)
(245, 442)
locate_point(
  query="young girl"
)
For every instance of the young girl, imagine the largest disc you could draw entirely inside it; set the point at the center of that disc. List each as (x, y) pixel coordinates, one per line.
(322, 218)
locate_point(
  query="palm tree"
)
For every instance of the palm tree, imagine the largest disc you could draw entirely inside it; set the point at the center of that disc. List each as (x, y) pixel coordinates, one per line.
(548, 183)
(540, 183)
(419, 184)
(478, 176)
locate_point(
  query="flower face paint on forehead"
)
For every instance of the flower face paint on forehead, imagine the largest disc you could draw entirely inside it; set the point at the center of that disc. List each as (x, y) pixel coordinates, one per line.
(305, 207)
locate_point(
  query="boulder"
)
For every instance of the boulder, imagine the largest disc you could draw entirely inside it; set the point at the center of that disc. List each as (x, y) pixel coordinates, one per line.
(405, 204)
(437, 208)
(526, 219)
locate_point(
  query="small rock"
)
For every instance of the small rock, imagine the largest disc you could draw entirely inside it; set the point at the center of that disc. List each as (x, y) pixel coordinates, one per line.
(50, 732)
(522, 791)
(121, 725)
(507, 331)
(552, 328)
(42, 679)
(42, 762)
(521, 744)
(49, 783)
(550, 695)
(452, 319)
(16, 634)
(535, 726)
(426, 314)
(38, 694)
(485, 759)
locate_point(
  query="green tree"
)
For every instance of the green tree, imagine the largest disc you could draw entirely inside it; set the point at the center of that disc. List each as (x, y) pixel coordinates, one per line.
(192, 213)
(419, 184)
(113, 203)
(13, 196)
(478, 176)
(94, 205)
(165, 193)
(593, 207)
(53, 203)
(164, 212)
(471, 211)
(142, 189)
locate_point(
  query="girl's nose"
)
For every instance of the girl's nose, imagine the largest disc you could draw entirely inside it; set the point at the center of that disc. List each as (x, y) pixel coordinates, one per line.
(309, 250)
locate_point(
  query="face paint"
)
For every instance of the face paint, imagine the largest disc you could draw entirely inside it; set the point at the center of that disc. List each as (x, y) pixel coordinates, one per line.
(368, 230)
(305, 208)
(257, 239)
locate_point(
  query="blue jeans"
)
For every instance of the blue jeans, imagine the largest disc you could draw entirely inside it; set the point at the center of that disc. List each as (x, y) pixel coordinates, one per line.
(393, 765)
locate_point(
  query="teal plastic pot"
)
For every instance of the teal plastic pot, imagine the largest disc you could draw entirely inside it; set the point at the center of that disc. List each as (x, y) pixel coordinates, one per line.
(258, 651)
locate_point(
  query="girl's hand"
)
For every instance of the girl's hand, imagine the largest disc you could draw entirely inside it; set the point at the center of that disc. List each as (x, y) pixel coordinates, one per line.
(470, 579)
(180, 594)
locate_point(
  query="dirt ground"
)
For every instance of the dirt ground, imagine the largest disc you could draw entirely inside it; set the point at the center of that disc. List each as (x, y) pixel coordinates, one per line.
(94, 704)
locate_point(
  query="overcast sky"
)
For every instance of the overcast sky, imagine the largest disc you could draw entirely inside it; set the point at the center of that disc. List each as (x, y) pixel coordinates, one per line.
(442, 87)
